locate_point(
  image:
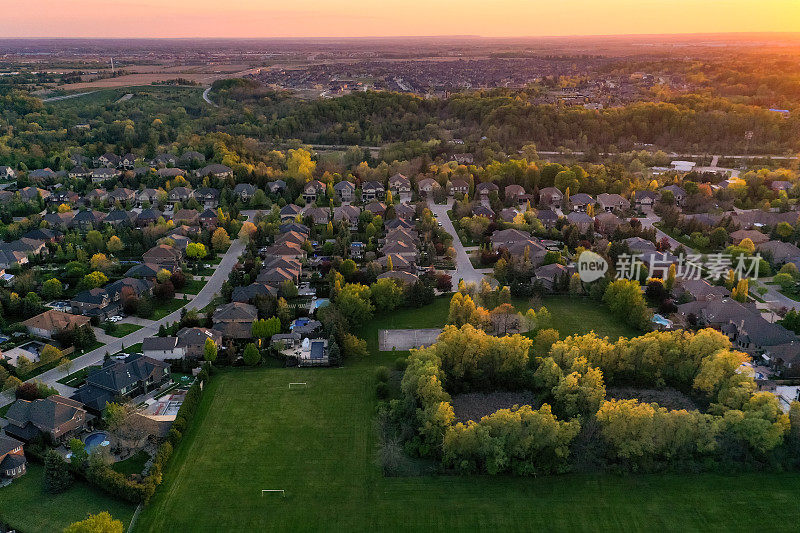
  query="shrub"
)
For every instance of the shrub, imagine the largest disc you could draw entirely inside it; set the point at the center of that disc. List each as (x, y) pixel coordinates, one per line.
(401, 363)
(382, 374)
(382, 390)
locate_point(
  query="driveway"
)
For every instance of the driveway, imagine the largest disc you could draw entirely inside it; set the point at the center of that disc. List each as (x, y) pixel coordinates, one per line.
(201, 300)
(464, 269)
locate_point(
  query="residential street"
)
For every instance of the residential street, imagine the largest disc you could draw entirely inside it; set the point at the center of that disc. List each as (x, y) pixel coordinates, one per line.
(202, 299)
(464, 269)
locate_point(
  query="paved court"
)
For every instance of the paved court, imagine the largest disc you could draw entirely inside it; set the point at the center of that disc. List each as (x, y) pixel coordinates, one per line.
(405, 339)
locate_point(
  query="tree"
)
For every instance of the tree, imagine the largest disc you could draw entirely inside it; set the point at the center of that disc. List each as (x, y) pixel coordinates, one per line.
(246, 231)
(220, 240)
(354, 303)
(196, 250)
(50, 353)
(210, 351)
(115, 245)
(387, 294)
(251, 355)
(288, 289)
(52, 289)
(741, 292)
(94, 240)
(57, 477)
(98, 523)
(94, 280)
(334, 354)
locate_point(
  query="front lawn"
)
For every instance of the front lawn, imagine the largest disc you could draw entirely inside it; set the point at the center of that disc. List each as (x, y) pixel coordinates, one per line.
(26, 507)
(164, 308)
(78, 377)
(122, 330)
(319, 444)
(193, 286)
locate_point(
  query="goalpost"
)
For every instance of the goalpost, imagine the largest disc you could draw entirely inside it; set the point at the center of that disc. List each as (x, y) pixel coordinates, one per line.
(298, 385)
(283, 492)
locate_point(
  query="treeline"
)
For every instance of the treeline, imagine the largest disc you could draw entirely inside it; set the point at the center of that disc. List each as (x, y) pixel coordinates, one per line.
(577, 426)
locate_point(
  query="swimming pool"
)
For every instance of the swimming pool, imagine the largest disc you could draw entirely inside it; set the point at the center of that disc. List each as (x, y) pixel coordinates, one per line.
(94, 440)
(661, 321)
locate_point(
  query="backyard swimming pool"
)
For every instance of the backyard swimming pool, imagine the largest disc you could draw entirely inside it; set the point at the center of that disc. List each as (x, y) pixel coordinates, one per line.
(94, 440)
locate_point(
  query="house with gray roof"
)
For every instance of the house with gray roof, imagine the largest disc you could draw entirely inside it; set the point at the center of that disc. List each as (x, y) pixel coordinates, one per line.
(60, 418)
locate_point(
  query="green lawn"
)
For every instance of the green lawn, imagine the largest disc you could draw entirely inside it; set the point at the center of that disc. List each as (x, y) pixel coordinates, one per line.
(125, 329)
(77, 377)
(193, 286)
(162, 309)
(580, 316)
(26, 507)
(133, 464)
(318, 444)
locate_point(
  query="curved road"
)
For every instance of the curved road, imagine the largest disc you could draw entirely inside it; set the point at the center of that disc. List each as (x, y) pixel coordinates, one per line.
(202, 299)
(464, 269)
(206, 97)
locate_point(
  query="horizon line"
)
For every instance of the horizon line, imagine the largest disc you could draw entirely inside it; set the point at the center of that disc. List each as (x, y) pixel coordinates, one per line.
(389, 37)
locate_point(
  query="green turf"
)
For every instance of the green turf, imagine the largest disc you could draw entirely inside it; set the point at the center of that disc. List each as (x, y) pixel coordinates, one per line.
(193, 286)
(77, 377)
(26, 507)
(579, 316)
(125, 329)
(133, 464)
(164, 308)
(318, 444)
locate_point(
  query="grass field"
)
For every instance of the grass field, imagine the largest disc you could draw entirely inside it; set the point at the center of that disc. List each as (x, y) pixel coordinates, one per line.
(133, 464)
(26, 507)
(579, 316)
(193, 286)
(77, 377)
(162, 309)
(319, 444)
(125, 329)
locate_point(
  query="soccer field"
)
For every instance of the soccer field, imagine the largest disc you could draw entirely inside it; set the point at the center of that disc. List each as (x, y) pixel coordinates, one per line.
(318, 444)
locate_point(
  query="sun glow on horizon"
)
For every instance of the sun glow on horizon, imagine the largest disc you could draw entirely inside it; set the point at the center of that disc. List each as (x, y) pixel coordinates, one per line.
(359, 18)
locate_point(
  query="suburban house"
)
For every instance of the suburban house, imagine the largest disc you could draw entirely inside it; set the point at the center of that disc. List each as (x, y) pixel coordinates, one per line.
(161, 348)
(372, 190)
(400, 184)
(208, 197)
(752, 333)
(215, 170)
(164, 256)
(313, 190)
(235, 320)
(320, 215)
(458, 187)
(190, 217)
(699, 289)
(92, 302)
(780, 252)
(677, 192)
(347, 213)
(426, 186)
(120, 217)
(193, 341)
(164, 160)
(502, 238)
(290, 211)
(580, 202)
(147, 196)
(12, 458)
(550, 275)
(208, 219)
(87, 220)
(485, 189)
(551, 196)
(581, 220)
(642, 199)
(607, 222)
(479, 210)
(276, 187)
(99, 175)
(244, 191)
(610, 202)
(376, 208)
(754, 235)
(56, 416)
(7, 173)
(179, 195)
(121, 379)
(52, 322)
(514, 192)
(547, 217)
(345, 190)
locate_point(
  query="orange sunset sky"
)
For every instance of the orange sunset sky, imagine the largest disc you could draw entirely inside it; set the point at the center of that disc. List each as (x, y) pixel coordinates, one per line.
(343, 18)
